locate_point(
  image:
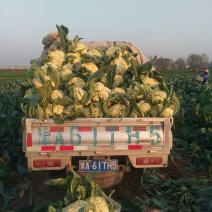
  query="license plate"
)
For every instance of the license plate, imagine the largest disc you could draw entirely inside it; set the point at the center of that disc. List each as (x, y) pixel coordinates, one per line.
(98, 165)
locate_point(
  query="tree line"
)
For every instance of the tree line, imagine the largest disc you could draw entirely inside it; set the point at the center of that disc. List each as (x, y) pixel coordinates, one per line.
(193, 61)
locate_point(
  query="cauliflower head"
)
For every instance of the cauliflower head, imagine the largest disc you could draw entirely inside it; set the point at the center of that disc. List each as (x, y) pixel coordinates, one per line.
(144, 107)
(99, 202)
(75, 207)
(57, 57)
(118, 90)
(91, 67)
(150, 81)
(79, 93)
(81, 48)
(158, 97)
(65, 74)
(56, 95)
(118, 80)
(121, 65)
(58, 109)
(116, 110)
(37, 82)
(102, 91)
(74, 57)
(168, 112)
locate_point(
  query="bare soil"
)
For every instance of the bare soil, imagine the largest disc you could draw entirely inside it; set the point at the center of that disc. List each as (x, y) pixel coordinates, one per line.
(126, 190)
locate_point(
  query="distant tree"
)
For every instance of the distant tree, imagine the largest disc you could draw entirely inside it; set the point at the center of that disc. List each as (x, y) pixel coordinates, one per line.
(197, 61)
(163, 63)
(205, 59)
(210, 64)
(180, 63)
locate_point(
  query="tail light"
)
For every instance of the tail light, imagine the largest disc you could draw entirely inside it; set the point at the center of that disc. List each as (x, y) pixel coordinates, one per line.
(39, 163)
(149, 161)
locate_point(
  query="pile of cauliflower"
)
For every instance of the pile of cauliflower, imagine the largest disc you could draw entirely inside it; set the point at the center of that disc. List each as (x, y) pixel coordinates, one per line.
(81, 195)
(70, 81)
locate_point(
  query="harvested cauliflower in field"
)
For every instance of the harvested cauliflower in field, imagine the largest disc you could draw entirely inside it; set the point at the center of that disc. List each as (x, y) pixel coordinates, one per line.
(75, 207)
(58, 109)
(37, 82)
(168, 112)
(99, 202)
(81, 48)
(57, 57)
(150, 81)
(90, 67)
(57, 94)
(117, 110)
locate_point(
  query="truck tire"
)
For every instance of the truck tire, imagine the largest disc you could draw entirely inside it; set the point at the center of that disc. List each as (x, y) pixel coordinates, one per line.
(105, 179)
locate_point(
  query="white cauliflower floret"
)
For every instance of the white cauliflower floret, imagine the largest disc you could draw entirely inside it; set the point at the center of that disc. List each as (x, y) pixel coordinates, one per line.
(168, 112)
(78, 82)
(81, 48)
(90, 67)
(116, 110)
(118, 80)
(101, 92)
(150, 81)
(144, 107)
(104, 94)
(58, 109)
(57, 94)
(121, 65)
(37, 82)
(95, 97)
(74, 57)
(49, 111)
(28, 93)
(159, 97)
(57, 57)
(75, 207)
(118, 90)
(65, 74)
(99, 86)
(99, 202)
(79, 93)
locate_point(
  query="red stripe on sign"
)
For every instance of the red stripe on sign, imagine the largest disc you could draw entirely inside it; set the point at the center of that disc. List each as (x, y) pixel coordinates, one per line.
(112, 128)
(134, 147)
(66, 148)
(56, 129)
(84, 129)
(48, 148)
(29, 139)
(139, 128)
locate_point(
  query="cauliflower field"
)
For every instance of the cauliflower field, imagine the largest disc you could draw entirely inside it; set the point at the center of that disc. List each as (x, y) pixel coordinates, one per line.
(71, 80)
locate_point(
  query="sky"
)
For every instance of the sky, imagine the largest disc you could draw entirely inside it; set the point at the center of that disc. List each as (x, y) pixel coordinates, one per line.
(162, 28)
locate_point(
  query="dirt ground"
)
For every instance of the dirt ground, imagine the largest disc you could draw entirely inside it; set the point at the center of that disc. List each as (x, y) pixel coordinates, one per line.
(38, 192)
